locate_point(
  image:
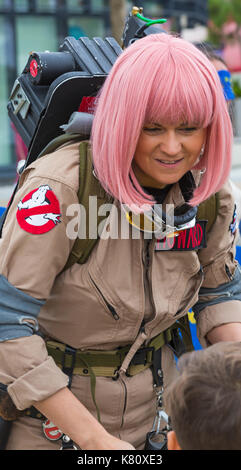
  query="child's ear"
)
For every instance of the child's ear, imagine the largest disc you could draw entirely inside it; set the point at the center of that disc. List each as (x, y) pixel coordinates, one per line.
(172, 442)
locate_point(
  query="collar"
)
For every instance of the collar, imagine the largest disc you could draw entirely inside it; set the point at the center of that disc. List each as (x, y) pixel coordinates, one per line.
(159, 219)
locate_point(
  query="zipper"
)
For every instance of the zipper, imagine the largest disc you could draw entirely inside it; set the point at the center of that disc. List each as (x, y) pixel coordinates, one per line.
(109, 307)
(148, 262)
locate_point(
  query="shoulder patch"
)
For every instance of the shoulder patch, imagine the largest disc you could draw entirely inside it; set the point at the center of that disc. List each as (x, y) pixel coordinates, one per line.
(39, 211)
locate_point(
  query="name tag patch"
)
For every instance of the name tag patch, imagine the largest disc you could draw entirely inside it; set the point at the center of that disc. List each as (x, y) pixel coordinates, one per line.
(193, 238)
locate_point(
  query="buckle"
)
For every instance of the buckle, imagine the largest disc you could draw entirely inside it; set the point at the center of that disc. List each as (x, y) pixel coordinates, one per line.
(177, 343)
(157, 367)
(140, 356)
(68, 370)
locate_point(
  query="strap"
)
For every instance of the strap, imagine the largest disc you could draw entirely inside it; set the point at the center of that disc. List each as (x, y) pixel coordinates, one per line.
(208, 210)
(105, 363)
(59, 141)
(184, 325)
(89, 185)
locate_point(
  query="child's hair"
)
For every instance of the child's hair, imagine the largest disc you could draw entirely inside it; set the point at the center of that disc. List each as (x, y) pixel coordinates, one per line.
(160, 78)
(204, 402)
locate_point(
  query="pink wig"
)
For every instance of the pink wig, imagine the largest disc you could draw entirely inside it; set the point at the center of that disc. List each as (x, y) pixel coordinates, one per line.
(165, 79)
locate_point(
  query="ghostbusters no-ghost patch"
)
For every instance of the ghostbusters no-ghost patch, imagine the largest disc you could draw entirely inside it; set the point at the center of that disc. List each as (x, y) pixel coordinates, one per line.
(39, 211)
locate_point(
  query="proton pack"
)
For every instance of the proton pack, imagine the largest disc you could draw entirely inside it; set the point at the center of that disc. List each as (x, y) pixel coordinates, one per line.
(53, 84)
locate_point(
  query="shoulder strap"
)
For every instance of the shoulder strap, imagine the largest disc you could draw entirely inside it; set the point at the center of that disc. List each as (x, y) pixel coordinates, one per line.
(208, 210)
(88, 186)
(58, 141)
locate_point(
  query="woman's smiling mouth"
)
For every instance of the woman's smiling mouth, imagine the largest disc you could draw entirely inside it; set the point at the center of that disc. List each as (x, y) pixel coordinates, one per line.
(169, 163)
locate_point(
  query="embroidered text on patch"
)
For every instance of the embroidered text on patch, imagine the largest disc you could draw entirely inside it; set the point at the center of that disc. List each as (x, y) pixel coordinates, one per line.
(193, 238)
(39, 211)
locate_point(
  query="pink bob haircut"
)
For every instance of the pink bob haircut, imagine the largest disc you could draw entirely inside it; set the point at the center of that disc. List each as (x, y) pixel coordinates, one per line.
(160, 78)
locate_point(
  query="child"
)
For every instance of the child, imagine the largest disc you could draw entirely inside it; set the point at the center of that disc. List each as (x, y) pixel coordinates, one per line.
(204, 402)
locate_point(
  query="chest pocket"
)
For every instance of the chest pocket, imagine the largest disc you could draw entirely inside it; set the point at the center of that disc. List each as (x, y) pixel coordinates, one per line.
(177, 278)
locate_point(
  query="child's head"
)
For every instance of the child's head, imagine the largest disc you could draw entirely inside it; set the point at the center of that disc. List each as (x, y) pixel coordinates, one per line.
(204, 402)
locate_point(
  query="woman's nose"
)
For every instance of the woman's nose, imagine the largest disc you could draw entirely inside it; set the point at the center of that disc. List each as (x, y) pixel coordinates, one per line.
(171, 144)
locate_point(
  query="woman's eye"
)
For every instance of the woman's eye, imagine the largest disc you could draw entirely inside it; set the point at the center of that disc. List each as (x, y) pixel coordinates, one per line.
(188, 129)
(152, 129)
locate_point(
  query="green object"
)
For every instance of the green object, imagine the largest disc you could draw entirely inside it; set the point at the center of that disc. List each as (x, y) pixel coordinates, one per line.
(236, 88)
(208, 210)
(105, 363)
(149, 21)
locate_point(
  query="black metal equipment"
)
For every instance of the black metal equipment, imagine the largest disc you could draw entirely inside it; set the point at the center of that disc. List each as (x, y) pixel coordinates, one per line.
(52, 86)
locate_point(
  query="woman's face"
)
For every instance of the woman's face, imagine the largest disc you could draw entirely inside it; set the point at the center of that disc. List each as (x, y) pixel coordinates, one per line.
(165, 153)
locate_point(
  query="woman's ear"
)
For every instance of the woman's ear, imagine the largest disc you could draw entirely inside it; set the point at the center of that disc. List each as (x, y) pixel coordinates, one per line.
(172, 442)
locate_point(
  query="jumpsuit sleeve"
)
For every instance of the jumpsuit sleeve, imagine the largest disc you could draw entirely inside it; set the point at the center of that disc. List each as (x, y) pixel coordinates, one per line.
(220, 295)
(33, 251)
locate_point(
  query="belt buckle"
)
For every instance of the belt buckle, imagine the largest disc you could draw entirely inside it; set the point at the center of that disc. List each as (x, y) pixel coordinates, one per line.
(140, 356)
(68, 352)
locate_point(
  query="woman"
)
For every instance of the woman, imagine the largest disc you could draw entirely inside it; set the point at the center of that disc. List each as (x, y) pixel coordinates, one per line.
(161, 128)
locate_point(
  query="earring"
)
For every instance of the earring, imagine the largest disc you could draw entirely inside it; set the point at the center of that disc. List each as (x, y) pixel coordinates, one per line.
(203, 170)
(202, 151)
(200, 154)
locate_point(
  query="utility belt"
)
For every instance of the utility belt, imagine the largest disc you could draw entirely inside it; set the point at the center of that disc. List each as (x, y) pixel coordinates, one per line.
(105, 363)
(100, 364)
(96, 363)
